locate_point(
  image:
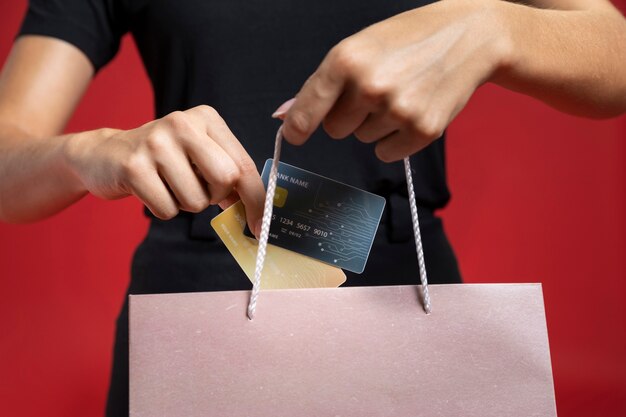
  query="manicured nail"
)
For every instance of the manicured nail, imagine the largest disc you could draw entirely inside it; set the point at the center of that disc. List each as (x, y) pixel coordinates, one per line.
(257, 229)
(283, 109)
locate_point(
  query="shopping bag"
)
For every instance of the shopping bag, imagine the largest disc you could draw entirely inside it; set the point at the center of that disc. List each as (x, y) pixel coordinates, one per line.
(355, 351)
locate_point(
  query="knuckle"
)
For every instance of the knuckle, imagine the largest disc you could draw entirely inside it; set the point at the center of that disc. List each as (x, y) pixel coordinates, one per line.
(167, 213)
(375, 88)
(158, 143)
(196, 204)
(383, 154)
(318, 87)
(360, 135)
(228, 179)
(207, 111)
(134, 167)
(364, 136)
(334, 129)
(347, 57)
(300, 123)
(320, 84)
(403, 111)
(246, 167)
(177, 121)
(429, 126)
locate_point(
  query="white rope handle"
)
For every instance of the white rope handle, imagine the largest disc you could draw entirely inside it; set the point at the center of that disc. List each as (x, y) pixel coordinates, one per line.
(418, 237)
(267, 220)
(265, 226)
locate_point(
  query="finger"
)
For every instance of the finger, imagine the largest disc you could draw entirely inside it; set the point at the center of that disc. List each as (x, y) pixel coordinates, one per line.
(282, 110)
(315, 99)
(375, 127)
(214, 164)
(190, 190)
(399, 145)
(248, 183)
(252, 192)
(229, 201)
(151, 190)
(249, 186)
(348, 113)
(217, 168)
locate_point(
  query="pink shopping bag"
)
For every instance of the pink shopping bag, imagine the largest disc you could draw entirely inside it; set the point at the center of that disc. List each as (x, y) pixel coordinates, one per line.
(361, 351)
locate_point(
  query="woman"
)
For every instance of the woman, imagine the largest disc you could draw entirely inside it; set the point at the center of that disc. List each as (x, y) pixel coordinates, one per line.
(395, 85)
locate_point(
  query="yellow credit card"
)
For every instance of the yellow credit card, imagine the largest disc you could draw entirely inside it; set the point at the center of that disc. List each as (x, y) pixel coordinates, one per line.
(283, 268)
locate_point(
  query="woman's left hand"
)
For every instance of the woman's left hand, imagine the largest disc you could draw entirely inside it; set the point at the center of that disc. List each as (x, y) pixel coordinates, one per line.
(401, 82)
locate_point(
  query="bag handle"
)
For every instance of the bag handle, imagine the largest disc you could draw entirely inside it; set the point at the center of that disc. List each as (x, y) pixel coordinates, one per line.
(267, 219)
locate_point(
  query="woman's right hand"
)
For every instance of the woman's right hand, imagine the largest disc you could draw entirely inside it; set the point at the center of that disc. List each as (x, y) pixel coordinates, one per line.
(186, 160)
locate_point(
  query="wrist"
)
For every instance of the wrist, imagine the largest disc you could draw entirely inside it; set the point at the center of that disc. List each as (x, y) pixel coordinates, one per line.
(505, 19)
(76, 150)
(487, 27)
(494, 20)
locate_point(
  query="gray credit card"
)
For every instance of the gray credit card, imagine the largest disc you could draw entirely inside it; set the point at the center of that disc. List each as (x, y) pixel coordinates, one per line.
(322, 218)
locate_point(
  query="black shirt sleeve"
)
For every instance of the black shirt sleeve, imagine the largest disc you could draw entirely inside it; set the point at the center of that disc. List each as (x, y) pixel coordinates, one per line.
(93, 26)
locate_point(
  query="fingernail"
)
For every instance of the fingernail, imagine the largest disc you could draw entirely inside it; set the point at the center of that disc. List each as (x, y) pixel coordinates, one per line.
(257, 229)
(283, 109)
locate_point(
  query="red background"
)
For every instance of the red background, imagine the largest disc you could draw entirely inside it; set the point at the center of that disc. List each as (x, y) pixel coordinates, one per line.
(537, 196)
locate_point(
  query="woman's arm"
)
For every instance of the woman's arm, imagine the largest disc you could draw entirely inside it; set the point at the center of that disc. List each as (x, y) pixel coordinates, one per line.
(401, 82)
(186, 160)
(570, 54)
(41, 84)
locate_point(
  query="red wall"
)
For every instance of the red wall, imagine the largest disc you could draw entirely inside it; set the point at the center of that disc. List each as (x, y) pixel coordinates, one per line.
(537, 196)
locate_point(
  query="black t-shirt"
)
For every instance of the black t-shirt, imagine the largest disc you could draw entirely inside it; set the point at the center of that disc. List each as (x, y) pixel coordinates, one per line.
(244, 57)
